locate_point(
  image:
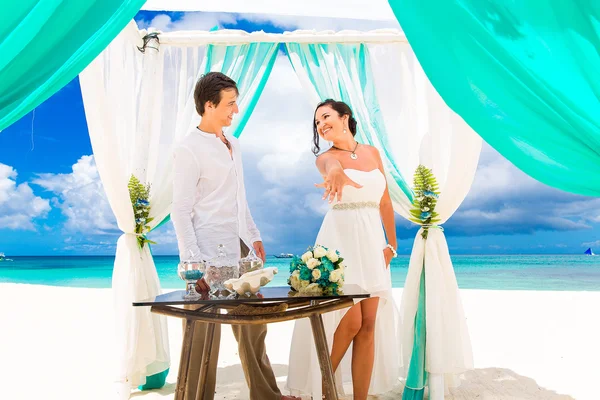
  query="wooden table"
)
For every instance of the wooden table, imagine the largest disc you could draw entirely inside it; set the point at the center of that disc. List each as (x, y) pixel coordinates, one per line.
(272, 304)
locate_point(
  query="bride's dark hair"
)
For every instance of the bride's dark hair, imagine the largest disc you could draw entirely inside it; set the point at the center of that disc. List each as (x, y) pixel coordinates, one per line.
(342, 109)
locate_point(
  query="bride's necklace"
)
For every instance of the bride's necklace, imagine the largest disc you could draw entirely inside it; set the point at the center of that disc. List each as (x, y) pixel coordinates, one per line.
(353, 154)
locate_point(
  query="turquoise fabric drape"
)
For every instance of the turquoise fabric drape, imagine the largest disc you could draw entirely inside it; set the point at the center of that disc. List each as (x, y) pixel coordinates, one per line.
(44, 44)
(343, 72)
(416, 378)
(523, 75)
(250, 65)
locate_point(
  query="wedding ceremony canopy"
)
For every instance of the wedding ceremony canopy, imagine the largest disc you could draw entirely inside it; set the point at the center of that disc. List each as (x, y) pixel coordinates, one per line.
(140, 103)
(519, 77)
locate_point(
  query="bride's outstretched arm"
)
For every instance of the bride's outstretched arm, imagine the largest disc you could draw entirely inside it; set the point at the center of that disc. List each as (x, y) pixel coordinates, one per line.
(386, 210)
(334, 177)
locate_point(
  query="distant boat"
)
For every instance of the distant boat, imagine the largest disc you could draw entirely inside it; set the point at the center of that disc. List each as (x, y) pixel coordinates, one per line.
(285, 255)
(3, 257)
(589, 252)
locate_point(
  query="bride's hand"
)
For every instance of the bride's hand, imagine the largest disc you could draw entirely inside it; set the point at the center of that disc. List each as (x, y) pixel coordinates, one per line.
(334, 183)
(388, 255)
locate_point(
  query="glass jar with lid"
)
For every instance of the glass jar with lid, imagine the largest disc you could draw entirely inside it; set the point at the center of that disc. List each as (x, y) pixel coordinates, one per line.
(191, 271)
(220, 269)
(250, 263)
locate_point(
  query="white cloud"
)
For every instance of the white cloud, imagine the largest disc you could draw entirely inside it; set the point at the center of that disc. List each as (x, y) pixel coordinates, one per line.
(291, 22)
(195, 21)
(206, 20)
(504, 200)
(81, 198)
(277, 145)
(316, 203)
(595, 243)
(19, 206)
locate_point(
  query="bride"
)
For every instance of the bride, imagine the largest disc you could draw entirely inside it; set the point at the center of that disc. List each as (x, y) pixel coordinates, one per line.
(364, 341)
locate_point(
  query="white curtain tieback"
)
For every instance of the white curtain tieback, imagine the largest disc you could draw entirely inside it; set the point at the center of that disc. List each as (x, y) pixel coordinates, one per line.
(435, 226)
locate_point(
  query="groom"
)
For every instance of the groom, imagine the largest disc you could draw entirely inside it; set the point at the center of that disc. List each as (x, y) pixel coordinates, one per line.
(210, 208)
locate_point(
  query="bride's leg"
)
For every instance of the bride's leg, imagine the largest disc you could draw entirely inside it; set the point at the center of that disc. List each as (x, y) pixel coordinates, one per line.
(344, 334)
(363, 352)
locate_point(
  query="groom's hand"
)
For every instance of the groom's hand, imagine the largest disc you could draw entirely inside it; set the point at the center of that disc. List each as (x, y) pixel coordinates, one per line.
(202, 287)
(334, 184)
(259, 249)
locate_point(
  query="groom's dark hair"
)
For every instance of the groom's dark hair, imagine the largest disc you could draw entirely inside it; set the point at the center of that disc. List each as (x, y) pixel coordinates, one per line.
(209, 87)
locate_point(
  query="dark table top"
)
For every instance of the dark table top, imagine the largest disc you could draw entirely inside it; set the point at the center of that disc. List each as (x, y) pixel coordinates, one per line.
(272, 293)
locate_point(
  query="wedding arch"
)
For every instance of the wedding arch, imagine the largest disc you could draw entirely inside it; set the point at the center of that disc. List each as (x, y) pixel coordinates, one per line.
(138, 99)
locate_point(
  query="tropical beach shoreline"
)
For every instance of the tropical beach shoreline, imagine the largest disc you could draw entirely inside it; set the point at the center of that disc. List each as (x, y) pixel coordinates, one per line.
(57, 343)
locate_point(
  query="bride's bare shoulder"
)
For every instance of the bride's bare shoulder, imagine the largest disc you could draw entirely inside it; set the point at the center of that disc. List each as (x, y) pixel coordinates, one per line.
(370, 148)
(323, 159)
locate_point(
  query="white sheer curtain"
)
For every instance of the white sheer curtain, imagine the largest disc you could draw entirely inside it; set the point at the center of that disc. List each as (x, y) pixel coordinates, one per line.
(138, 105)
(420, 129)
(423, 130)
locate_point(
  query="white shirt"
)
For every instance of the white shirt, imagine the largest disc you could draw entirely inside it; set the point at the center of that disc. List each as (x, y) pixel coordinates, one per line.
(209, 198)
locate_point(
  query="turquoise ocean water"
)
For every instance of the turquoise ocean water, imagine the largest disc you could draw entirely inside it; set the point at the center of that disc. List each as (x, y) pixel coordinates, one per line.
(504, 272)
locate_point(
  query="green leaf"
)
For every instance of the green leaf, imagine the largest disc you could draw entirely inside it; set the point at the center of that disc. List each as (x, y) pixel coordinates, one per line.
(424, 180)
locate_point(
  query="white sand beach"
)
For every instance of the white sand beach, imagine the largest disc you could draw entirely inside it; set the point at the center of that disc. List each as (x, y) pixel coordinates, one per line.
(56, 344)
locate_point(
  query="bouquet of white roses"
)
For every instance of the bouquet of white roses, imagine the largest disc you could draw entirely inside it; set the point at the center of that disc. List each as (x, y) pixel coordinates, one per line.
(318, 271)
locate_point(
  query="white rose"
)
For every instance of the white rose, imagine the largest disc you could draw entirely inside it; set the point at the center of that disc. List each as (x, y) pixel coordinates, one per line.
(296, 273)
(342, 266)
(307, 256)
(320, 252)
(316, 274)
(332, 255)
(334, 276)
(313, 288)
(304, 284)
(313, 262)
(295, 282)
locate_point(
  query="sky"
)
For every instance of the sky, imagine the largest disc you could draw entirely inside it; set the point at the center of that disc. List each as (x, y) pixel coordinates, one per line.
(52, 201)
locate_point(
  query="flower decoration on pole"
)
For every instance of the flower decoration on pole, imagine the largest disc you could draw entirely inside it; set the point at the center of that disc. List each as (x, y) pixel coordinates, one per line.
(426, 195)
(139, 195)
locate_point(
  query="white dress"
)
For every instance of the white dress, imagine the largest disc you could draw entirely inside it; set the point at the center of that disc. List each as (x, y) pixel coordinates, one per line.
(353, 227)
